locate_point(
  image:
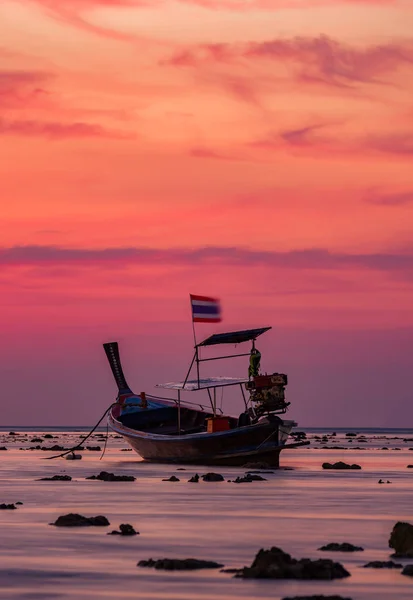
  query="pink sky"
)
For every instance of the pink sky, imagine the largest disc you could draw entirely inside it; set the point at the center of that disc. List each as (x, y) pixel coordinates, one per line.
(256, 150)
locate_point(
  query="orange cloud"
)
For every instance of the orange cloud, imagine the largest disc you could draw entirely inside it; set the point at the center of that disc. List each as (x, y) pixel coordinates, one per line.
(57, 131)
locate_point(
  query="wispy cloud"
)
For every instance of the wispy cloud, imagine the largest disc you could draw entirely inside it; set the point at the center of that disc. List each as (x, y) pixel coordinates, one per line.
(57, 131)
(389, 199)
(307, 258)
(22, 88)
(312, 59)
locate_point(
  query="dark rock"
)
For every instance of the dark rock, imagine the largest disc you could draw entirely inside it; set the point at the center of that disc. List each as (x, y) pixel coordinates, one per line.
(75, 520)
(339, 465)
(351, 434)
(18, 503)
(172, 478)
(212, 477)
(48, 436)
(36, 440)
(176, 564)
(384, 448)
(7, 507)
(181, 469)
(126, 449)
(230, 570)
(194, 479)
(410, 466)
(381, 481)
(94, 448)
(316, 598)
(276, 564)
(408, 570)
(54, 448)
(401, 538)
(248, 478)
(12, 433)
(3, 448)
(344, 547)
(73, 456)
(105, 476)
(125, 529)
(56, 478)
(383, 564)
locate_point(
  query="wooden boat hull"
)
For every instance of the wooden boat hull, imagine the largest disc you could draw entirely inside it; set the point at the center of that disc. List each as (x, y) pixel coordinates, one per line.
(261, 442)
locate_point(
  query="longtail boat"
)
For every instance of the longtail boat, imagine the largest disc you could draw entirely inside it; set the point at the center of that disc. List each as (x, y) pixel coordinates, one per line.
(173, 430)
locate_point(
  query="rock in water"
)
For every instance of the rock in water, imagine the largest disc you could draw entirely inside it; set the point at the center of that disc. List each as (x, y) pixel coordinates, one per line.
(339, 465)
(194, 479)
(401, 539)
(74, 456)
(316, 598)
(344, 547)
(248, 478)
(408, 570)
(277, 564)
(56, 478)
(7, 507)
(176, 564)
(125, 529)
(212, 477)
(105, 476)
(383, 564)
(171, 478)
(75, 520)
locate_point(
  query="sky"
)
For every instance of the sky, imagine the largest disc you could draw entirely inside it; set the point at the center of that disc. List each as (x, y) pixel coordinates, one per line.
(258, 151)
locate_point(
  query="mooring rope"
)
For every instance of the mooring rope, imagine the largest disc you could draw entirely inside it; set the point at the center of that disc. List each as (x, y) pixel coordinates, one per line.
(71, 450)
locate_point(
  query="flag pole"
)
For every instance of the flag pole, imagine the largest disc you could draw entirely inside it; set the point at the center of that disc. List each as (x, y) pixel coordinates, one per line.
(195, 345)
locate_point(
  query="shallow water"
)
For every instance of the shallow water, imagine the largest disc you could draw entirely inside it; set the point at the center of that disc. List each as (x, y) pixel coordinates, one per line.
(298, 509)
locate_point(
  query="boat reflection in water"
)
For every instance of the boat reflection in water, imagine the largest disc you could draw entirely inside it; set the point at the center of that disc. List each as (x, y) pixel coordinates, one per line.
(176, 431)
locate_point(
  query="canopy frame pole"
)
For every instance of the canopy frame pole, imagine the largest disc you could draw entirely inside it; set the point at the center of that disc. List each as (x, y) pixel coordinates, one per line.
(189, 370)
(215, 402)
(243, 395)
(220, 357)
(179, 412)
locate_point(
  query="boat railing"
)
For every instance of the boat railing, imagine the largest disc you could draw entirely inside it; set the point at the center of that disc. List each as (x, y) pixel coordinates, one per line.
(183, 402)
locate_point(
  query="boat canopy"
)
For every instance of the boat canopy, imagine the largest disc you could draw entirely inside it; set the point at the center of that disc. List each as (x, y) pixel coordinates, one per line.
(233, 337)
(202, 384)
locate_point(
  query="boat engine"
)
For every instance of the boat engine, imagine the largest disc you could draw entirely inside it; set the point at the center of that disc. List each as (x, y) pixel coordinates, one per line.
(267, 393)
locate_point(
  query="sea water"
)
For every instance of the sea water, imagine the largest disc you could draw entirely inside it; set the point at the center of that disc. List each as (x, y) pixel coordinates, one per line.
(299, 508)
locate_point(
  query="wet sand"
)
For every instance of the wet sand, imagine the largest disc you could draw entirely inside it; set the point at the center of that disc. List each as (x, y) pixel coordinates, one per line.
(298, 509)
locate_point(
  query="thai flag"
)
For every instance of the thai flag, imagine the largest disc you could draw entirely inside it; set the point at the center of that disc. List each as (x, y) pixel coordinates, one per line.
(205, 310)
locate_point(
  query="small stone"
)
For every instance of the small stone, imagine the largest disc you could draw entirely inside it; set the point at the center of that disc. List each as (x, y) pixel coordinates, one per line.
(125, 529)
(339, 465)
(56, 478)
(248, 478)
(7, 507)
(401, 539)
(74, 456)
(105, 476)
(175, 564)
(277, 564)
(172, 478)
(12, 433)
(344, 547)
(316, 598)
(76, 520)
(94, 448)
(194, 479)
(408, 570)
(18, 503)
(212, 477)
(383, 564)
